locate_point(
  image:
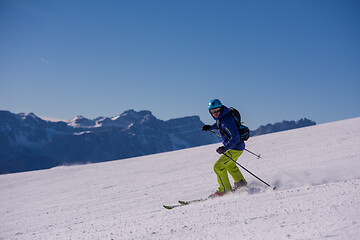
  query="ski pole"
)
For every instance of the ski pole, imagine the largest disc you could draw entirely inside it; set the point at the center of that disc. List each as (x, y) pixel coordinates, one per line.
(257, 155)
(214, 133)
(250, 172)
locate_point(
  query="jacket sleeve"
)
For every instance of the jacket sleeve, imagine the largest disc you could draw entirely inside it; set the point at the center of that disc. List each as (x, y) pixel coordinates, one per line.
(214, 126)
(232, 131)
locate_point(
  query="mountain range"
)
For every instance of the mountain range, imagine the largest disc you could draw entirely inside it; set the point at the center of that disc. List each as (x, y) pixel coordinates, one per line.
(28, 142)
(282, 126)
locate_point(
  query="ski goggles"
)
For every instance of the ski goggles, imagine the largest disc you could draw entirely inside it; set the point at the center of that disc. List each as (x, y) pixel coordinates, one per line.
(215, 110)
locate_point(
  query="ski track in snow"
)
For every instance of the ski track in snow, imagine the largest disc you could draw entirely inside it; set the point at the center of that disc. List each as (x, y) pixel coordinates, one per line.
(316, 171)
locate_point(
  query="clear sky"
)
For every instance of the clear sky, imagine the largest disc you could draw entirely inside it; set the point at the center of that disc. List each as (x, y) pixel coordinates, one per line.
(272, 60)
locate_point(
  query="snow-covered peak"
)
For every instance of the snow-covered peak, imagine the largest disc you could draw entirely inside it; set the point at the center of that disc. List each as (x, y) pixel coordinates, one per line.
(123, 120)
(29, 116)
(115, 118)
(81, 121)
(133, 116)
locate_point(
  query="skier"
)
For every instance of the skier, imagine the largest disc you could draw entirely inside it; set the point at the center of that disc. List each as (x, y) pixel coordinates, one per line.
(233, 147)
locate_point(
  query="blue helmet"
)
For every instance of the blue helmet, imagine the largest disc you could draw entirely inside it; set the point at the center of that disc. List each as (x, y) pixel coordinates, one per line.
(215, 103)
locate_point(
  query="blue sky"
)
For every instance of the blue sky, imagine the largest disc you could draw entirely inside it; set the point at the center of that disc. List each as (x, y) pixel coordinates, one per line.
(272, 60)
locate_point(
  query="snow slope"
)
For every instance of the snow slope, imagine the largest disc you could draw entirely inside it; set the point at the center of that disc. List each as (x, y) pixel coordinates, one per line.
(316, 169)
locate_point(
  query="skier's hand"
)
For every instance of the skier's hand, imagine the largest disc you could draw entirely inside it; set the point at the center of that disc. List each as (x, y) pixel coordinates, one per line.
(221, 150)
(206, 128)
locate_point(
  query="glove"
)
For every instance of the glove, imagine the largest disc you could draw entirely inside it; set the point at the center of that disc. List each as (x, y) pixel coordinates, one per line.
(221, 150)
(206, 128)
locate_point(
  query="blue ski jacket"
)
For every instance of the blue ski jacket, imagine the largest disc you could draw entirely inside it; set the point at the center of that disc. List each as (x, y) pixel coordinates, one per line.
(229, 131)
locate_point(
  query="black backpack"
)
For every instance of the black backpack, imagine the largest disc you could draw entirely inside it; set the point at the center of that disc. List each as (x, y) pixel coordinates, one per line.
(243, 130)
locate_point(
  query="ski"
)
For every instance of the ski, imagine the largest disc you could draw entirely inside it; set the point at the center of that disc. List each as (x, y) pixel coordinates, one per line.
(248, 189)
(172, 206)
(184, 203)
(192, 201)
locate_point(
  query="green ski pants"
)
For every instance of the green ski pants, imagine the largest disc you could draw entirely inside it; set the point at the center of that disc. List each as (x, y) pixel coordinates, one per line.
(224, 165)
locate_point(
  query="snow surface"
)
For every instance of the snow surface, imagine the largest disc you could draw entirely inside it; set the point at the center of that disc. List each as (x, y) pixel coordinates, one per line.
(316, 171)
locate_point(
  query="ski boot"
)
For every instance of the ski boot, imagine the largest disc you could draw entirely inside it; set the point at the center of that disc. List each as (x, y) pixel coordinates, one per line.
(216, 194)
(238, 185)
